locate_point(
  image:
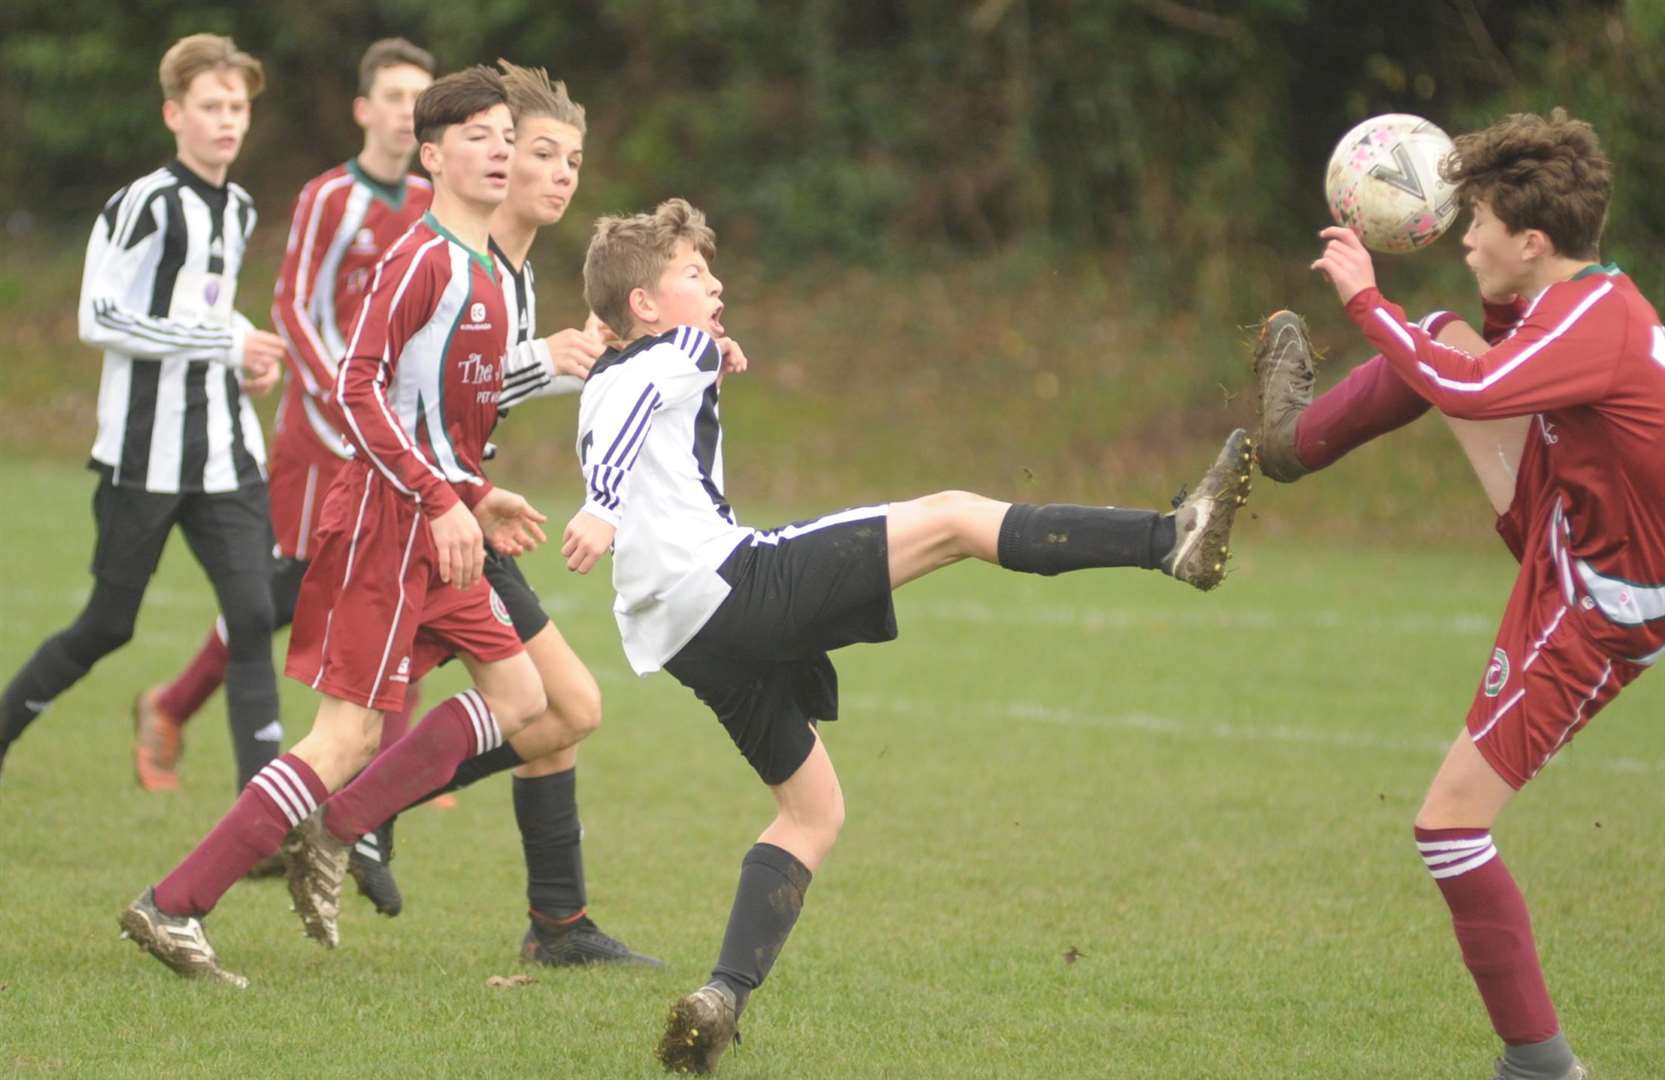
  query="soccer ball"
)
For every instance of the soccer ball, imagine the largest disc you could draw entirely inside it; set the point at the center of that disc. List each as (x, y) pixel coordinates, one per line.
(1384, 183)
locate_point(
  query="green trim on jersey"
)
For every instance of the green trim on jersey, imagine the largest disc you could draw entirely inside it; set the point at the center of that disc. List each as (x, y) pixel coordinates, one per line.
(1609, 269)
(391, 194)
(484, 260)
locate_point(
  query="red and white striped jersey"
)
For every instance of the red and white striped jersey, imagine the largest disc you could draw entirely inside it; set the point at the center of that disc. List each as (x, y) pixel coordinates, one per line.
(423, 373)
(1587, 359)
(344, 221)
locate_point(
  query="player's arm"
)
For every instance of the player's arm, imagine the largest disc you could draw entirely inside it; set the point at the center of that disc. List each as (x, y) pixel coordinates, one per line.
(124, 242)
(551, 366)
(292, 296)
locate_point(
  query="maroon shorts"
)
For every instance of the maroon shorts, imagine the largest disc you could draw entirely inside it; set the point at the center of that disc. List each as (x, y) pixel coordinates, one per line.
(373, 615)
(298, 487)
(1547, 676)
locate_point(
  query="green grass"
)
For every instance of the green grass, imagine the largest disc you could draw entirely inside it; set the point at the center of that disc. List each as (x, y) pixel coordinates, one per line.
(1207, 798)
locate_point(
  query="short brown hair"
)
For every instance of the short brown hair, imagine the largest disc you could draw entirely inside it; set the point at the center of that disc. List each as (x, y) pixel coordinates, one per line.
(191, 56)
(1534, 173)
(390, 52)
(630, 252)
(532, 94)
(455, 98)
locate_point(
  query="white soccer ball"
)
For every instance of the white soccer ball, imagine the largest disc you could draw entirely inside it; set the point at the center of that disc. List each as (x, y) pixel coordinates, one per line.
(1384, 183)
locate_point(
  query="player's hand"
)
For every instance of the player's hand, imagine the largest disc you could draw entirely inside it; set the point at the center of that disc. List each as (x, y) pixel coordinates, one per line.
(574, 351)
(509, 522)
(734, 357)
(1345, 262)
(603, 332)
(586, 539)
(262, 361)
(460, 546)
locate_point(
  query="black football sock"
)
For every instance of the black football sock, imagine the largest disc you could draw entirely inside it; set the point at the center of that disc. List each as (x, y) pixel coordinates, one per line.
(1057, 537)
(104, 625)
(476, 768)
(766, 905)
(546, 809)
(251, 700)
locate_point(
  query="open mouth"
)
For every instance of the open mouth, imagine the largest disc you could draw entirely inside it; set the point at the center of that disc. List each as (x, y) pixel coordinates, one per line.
(717, 320)
(497, 176)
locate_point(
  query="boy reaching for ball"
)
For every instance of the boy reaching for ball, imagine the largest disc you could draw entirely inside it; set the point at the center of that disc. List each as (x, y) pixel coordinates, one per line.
(1565, 386)
(745, 618)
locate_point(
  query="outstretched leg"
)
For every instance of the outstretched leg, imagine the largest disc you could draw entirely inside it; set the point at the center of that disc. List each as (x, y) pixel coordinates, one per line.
(1189, 544)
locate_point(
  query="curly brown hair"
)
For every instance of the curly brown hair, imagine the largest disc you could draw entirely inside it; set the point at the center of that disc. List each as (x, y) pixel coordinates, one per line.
(1536, 173)
(630, 252)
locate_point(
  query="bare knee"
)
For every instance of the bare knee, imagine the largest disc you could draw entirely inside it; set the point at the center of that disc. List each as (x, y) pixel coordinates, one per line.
(578, 710)
(515, 707)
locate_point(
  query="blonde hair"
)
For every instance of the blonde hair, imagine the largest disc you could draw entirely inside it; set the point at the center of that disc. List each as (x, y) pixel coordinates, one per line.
(191, 56)
(630, 252)
(532, 94)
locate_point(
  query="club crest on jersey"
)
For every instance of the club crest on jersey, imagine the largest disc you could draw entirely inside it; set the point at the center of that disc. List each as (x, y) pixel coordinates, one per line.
(1497, 672)
(500, 610)
(364, 242)
(477, 313)
(211, 292)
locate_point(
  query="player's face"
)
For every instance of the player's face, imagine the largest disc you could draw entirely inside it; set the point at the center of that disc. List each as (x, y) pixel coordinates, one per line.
(473, 158)
(548, 155)
(209, 122)
(1497, 256)
(387, 113)
(688, 293)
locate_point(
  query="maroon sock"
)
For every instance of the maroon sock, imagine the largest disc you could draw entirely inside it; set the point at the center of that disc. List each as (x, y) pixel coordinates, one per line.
(454, 731)
(280, 796)
(1372, 400)
(1489, 915)
(181, 698)
(395, 724)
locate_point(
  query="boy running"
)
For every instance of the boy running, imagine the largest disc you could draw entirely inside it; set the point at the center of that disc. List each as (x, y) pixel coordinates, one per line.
(1566, 393)
(178, 441)
(395, 586)
(344, 220)
(745, 617)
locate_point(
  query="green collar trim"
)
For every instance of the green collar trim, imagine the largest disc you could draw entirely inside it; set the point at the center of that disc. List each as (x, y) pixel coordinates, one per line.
(1609, 269)
(391, 194)
(432, 222)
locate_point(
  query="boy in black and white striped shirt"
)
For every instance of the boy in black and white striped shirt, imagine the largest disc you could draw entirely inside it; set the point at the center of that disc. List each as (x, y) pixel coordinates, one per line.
(178, 441)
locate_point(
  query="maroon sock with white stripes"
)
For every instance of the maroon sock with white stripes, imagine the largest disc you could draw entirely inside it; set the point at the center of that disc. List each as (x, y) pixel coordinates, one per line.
(1371, 401)
(181, 698)
(1489, 915)
(453, 731)
(279, 797)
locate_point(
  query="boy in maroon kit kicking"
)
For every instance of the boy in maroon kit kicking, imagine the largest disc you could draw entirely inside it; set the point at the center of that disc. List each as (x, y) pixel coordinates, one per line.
(1560, 404)
(345, 220)
(396, 584)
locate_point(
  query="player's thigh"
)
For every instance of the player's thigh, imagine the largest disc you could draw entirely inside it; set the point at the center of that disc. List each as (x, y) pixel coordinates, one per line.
(132, 530)
(1493, 447)
(231, 536)
(928, 533)
(574, 695)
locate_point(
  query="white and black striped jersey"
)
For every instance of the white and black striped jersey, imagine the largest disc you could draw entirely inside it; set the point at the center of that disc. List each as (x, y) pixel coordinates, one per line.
(650, 444)
(156, 295)
(529, 371)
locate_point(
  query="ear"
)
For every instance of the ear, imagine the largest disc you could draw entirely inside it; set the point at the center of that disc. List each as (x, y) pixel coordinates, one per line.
(432, 157)
(172, 115)
(643, 309)
(361, 111)
(1536, 244)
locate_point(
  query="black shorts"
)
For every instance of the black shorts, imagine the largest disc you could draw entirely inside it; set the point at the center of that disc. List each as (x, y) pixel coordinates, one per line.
(229, 532)
(526, 612)
(760, 662)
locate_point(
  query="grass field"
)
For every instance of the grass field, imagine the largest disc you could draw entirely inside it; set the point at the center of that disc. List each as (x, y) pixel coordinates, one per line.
(1206, 800)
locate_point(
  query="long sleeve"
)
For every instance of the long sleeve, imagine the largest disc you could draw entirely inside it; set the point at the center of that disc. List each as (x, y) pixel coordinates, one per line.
(309, 358)
(664, 375)
(529, 372)
(401, 300)
(1563, 352)
(126, 242)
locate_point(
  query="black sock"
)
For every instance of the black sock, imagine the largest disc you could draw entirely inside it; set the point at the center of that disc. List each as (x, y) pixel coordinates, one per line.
(766, 905)
(251, 700)
(546, 809)
(47, 674)
(1057, 537)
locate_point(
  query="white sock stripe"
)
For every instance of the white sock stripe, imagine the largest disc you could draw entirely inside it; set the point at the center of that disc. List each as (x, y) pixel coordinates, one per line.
(278, 800)
(1454, 845)
(285, 787)
(494, 734)
(1450, 857)
(475, 706)
(303, 794)
(1464, 867)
